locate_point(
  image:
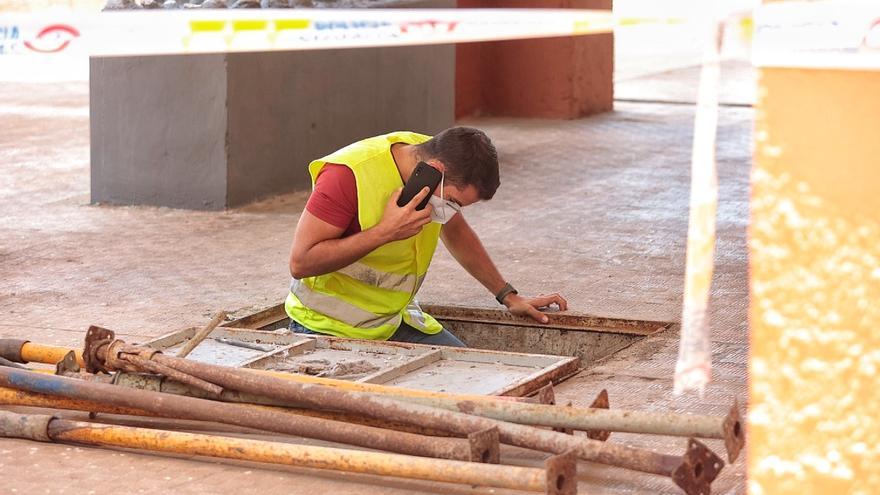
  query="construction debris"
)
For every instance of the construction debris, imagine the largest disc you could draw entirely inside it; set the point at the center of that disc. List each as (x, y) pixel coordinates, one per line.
(148, 383)
(693, 472)
(728, 428)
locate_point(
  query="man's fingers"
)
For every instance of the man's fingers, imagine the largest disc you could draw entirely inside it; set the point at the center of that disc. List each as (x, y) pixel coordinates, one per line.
(542, 301)
(562, 302)
(419, 197)
(423, 218)
(426, 211)
(537, 315)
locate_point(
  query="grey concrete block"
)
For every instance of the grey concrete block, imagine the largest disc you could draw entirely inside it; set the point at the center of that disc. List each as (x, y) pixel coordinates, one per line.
(158, 130)
(219, 131)
(286, 109)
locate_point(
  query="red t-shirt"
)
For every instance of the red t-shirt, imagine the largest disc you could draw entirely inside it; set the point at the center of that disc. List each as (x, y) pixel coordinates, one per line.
(334, 198)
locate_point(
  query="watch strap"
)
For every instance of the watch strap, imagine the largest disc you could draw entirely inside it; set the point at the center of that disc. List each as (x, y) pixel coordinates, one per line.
(507, 289)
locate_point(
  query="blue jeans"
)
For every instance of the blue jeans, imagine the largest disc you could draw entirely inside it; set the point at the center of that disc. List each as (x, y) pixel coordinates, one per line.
(404, 333)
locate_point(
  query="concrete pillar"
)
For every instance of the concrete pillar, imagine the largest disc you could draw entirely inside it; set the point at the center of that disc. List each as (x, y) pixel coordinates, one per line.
(219, 131)
(547, 78)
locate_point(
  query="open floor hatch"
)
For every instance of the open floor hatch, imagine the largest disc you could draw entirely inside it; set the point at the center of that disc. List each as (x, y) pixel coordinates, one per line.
(507, 355)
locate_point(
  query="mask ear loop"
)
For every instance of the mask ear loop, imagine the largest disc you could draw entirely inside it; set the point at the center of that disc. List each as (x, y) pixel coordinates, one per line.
(452, 205)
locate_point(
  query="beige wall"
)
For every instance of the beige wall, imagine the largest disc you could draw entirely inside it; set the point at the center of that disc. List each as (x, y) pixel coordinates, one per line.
(814, 259)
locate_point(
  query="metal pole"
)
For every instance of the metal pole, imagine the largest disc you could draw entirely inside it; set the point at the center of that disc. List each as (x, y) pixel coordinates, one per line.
(156, 383)
(164, 385)
(24, 351)
(47, 428)
(728, 428)
(693, 472)
(6, 362)
(201, 334)
(12, 397)
(480, 445)
(579, 418)
(16, 350)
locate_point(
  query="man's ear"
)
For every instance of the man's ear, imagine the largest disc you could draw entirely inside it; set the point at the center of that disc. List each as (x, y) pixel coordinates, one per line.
(436, 164)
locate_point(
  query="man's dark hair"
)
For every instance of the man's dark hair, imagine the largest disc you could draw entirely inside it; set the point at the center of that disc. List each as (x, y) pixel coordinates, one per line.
(469, 156)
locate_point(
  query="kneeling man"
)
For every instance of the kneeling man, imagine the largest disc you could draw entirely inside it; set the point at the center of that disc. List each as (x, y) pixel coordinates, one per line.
(358, 259)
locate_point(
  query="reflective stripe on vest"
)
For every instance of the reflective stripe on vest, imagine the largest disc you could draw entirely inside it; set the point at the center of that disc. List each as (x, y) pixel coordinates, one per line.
(338, 309)
(369, 298)
(391, 281)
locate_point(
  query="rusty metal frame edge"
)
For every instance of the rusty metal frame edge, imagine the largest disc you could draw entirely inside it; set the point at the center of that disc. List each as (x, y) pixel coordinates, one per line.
(477, 355)
(172, 338)
(546, 376)
(561, 321)
(259, 319)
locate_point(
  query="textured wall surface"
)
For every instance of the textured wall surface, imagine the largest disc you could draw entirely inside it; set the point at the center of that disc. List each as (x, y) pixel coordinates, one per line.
(815, 284)
(158, 130)
(286, 109)
(219, 131)
(566, 77)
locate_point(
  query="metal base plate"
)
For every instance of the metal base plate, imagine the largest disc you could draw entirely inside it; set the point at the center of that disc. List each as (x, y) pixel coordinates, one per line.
(734, 435)
(562, 474)
(485, 446)
(699, 467)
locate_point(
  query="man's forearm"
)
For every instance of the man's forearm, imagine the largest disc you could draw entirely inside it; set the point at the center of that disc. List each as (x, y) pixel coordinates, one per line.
(333, 254)
(464, 245)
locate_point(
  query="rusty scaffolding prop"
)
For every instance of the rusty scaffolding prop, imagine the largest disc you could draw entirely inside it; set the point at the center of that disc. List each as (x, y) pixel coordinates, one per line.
(68, 367)
(537, 412)
(557, 477)
(158, 383)
(541, 413)
(13, 397)
(603, 420)
(481, 446)
(24, 351)
(693, 472)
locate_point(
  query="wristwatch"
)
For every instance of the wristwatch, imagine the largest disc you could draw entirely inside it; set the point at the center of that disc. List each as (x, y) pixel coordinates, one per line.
(507, 289)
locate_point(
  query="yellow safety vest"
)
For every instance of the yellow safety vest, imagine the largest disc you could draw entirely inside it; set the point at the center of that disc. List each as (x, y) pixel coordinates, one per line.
(369, 298)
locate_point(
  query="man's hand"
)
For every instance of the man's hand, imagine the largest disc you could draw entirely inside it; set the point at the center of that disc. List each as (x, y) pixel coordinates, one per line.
(404, 222)
(524, 306)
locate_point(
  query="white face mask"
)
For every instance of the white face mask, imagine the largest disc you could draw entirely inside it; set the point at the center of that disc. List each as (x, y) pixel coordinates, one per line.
(442, 210)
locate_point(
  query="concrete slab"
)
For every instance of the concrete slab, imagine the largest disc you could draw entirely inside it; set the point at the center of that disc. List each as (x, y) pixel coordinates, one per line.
(594, 208)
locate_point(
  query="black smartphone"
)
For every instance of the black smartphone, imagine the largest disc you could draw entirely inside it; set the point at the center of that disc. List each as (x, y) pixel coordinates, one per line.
(423, 176)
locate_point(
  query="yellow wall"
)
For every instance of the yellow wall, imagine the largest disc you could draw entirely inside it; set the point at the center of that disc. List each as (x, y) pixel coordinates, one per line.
(814, 247)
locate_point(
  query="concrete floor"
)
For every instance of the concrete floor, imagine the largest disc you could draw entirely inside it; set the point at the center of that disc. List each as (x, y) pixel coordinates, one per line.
(595, 209)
